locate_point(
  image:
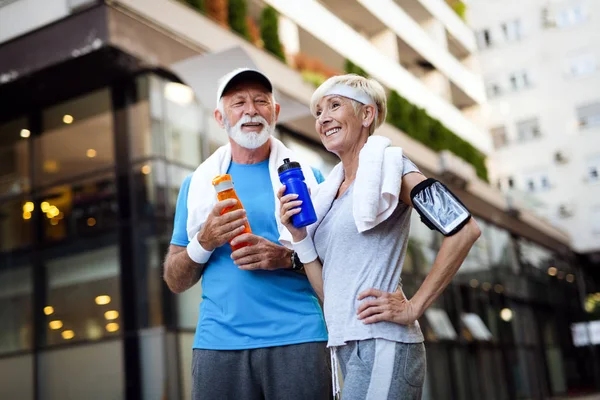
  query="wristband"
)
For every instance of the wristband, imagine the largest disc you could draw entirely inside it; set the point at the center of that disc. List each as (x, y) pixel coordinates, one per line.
(197, 253)
(305, 250)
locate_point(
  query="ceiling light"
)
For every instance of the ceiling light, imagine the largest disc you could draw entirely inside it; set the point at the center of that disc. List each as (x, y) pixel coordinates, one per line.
(25, 133)
(506, 314)
(45, 206)
(474, 283)
(111, 314)
(68, 119)
(48, 310)
(68, 334)
(91, 221)
(552, 271)
(91, 153)
(112, 327)
(498, 288)
(50, 166)
(570, 278)
(102, 300)
(146, 169)
(56, 324)
(486, 286)
(178, 93)
(26, 215)
(28, 207)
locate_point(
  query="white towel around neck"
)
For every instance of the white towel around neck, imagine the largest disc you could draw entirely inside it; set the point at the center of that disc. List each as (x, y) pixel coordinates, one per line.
(376, 187)
(202, 197)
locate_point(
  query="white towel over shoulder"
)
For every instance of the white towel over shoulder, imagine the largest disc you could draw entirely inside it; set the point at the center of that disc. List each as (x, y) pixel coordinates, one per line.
(376, 187)
(202, 197)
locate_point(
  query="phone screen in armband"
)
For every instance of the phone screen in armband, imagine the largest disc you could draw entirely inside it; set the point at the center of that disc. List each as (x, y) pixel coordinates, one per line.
(441, 208)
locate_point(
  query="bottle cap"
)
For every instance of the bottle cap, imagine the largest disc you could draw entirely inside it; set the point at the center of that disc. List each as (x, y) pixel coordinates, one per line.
(222, 182)
(287, 164)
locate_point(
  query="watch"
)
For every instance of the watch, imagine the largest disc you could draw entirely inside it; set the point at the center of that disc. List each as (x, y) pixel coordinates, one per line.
(296, 263)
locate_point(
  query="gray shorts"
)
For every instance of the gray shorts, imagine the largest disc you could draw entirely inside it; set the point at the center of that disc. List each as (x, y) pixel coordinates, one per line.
(379, 369)
(294, 372)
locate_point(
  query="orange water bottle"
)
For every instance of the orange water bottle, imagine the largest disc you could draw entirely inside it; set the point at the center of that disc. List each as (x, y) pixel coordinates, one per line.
(224, 187)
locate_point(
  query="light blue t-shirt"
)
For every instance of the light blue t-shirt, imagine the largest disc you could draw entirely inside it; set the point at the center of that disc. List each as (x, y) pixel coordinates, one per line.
(251, 309)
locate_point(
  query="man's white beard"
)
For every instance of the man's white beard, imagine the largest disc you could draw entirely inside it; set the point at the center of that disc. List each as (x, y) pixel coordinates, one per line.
(249, 140)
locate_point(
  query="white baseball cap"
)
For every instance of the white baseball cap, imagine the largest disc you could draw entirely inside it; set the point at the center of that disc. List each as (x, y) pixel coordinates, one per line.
(242, 75)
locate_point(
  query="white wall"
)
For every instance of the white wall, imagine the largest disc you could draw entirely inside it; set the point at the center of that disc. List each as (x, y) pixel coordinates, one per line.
(22, 16)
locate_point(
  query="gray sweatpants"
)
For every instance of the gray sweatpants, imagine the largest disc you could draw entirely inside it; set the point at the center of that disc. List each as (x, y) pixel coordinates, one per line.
(294, 372)
(378, 369)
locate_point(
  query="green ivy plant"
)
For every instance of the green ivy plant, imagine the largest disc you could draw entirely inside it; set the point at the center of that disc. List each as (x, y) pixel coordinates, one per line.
(432, 133)
(196, 4)
(238, 11)
(269, 32)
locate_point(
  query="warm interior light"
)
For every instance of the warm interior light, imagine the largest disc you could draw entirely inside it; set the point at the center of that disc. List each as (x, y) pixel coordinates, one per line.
(52, 211)
(112, 327)
(111, 314)
(50, 166)
(68, 119)
(45, 206)
(570, 278)
(56, 324)
(102, 300)
(68, 334)
(178, 93)
(552, 271)
(486, 286)
(91, 153)
(146, 169)
(474, 283)
(91, 221)
(25, 133)
(48, 310)
(506, 314)
(28, 207)
(26, 215)
(498, 288)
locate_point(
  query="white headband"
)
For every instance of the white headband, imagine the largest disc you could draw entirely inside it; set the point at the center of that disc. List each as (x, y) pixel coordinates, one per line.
(351, 93)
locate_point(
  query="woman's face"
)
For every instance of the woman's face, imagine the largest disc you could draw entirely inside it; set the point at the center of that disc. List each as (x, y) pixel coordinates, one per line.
(337, 124)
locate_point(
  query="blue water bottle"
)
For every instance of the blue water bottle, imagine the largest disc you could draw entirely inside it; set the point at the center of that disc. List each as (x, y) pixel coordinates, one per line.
(290, 175)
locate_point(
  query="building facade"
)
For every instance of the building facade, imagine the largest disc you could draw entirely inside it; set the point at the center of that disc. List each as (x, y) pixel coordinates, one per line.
(539, 60)
(99, 125)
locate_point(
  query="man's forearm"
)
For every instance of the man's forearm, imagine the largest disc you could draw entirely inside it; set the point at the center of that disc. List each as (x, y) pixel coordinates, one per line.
(452, 253)
(181, 273)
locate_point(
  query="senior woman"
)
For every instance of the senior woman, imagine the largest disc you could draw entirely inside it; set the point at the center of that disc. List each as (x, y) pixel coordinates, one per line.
(354, 264)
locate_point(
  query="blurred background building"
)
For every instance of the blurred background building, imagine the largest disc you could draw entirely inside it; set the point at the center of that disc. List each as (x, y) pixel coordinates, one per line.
(539, 60)
(107, 105)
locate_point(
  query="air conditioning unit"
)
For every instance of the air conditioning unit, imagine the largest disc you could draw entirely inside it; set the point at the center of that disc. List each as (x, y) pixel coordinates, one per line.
(561, 157)
(566, 210)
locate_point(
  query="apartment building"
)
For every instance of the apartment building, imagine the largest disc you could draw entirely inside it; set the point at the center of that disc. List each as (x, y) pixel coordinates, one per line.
(539, 60)
(107, 106)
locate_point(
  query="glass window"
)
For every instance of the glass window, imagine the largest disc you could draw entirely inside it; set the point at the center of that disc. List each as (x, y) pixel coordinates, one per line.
(16, 377)
(537, 181)
(570, 16)
(494, 88)
(593, 168)
(519, 80)
(595, 220)
(15, 305)
(16, 224)
(528, 129)
(484, 39)
(581, 65)
(499, 136)
(500, 247)
(512, 30)
(83, 208)
(14, 157)
(534, 255)
(168, 122)
(83, 292)
(589, 115)
(77, 139)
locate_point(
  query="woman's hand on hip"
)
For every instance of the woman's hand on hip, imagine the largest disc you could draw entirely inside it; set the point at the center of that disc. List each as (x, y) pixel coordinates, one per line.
(289, 207)
(384, 306)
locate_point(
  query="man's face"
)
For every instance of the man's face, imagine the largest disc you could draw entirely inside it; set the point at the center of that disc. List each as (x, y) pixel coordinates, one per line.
(248, 114)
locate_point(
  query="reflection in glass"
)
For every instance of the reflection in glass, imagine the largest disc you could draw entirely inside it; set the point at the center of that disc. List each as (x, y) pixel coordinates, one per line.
(16, 224)
(14, 157)
(83, 208)
(76, 280)
(72, 131)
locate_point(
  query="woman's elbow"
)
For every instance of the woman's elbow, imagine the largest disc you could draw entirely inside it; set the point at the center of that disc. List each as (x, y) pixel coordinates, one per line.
(474, 231)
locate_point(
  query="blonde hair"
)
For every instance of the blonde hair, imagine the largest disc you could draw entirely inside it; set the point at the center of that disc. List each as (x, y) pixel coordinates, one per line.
(367, 86)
